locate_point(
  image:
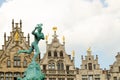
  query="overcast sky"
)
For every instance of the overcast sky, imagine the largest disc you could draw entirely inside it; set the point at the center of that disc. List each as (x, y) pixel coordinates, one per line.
(84, 23)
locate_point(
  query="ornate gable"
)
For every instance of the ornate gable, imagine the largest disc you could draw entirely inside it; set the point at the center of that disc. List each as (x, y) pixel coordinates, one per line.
(16, 41)
(56, 61)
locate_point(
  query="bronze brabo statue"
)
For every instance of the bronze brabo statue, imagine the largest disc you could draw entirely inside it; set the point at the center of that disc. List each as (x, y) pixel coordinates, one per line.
(33, 72)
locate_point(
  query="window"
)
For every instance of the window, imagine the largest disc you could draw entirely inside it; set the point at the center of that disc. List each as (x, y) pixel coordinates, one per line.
(61, 53)
(90, 66)
(61, 78)
(25, 63)
(51, 65)
(8, 63)
(89, 58)
(97, 78)
(1, 76)
(16, 74)
(49, 53)
(85, 66)
(44, 67)
(70, 79)
(90, 77)
(8, 76)
(114, 78)
(52, 78)
(119, 68)
(67, 67)
(84, 77)
(16, 61)
(55, 53)
(60, 66)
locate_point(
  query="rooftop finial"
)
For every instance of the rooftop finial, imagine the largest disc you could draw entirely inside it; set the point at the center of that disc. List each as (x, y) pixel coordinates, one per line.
(20, 24)
(13, 24)
(63, 38)
(89, 49)
(54, 28)
(73, 53)
(46, 37)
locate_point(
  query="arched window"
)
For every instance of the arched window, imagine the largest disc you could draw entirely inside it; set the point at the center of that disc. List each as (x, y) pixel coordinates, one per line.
(60, 66)
(51, 65)
(61, 53)
(49, 53)
(55, 53)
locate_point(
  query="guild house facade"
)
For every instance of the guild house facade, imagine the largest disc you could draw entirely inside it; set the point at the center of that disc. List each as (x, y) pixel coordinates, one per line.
(11, 64)
(56, 63)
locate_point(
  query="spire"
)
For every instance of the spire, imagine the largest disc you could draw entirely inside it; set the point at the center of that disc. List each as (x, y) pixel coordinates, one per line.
(12, 24)
(20, 24)
(5, 39)
(46, 38)
(73, 56)
(28, 39)
(96, 56)
(16, 24)
(63, 39)
(82, 57)
(73, 53)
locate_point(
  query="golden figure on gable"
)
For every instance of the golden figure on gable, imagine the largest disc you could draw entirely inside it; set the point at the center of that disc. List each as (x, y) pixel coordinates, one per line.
(16, 37)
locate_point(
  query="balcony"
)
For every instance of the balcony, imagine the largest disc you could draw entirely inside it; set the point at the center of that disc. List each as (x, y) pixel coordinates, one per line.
(60, 72)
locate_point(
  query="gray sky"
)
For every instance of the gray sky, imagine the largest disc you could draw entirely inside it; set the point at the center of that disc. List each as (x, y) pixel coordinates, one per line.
(84, 23)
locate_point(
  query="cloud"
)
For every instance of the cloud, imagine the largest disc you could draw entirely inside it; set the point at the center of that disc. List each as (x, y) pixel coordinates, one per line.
(84, 23)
